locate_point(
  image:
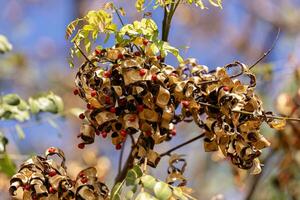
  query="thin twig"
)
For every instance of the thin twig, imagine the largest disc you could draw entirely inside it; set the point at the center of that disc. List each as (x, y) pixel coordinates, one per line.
(258, 177)
(250, 113)
(86, 58)
(121, 157)
(181, 145)
(267, 52)
(119, 16)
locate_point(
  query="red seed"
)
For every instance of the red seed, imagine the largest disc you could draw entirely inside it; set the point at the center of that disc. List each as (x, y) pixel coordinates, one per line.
(97, 51)
(52, 173)
(140, 108)
(112, 110)
(142, 72)
(185, 103)
(89, 106)
(81, 116)
(154, 77)
(120, 56)
(118, 146)
(137, 53)
(97, 132)
(158, 57)
(81, 174)
(26, 187)
(81, 146)
(173, 132)
(84, 180)
(123, 133)
(52, 190)
(148, 133)
(145, 42)
(107, 100)
(93, 93)
(75, 91)
(122, 102)
(225, 88)
(104, 134)
(51, 150)
(107, 74)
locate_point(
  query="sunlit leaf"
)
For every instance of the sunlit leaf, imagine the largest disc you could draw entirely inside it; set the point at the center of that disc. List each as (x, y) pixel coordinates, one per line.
(6, 165)
(20, 131)
(5, 46)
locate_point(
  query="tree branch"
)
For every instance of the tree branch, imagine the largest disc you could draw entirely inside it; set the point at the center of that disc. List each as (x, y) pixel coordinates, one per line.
(181, 145)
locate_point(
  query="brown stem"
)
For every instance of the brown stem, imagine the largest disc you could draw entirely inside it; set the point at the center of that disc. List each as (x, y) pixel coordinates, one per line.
(181, 145)
(128, 165)
(258, 177)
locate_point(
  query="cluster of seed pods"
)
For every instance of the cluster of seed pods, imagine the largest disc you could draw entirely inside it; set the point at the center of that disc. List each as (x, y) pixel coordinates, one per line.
(131, 92)
(43, 178)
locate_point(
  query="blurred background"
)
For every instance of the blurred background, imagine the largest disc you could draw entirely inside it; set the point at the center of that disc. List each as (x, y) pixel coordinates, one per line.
(243, 30)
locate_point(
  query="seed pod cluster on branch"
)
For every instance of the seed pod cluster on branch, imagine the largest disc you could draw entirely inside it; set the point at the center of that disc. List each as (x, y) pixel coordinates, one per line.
(43, 178)
(130, 91)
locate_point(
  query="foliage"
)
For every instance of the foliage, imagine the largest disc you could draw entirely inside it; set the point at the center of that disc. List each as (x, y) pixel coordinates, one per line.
(140, 4)
(12, 106)
(5, 46)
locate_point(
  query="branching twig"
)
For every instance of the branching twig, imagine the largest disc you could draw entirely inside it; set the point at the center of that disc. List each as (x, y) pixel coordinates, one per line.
(86, 58)
(267, 52)
(121, 157)
(181, 145)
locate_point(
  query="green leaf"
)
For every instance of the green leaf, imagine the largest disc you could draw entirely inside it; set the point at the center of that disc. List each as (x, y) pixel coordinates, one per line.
(5, 46)
(217, 3)
(129, 195)
(148, 182)
(7, 166)
(11, 99)
(139, 5)
(115, 192)
(162, 191)
(20, 132)
(131, 177)
(144, 196)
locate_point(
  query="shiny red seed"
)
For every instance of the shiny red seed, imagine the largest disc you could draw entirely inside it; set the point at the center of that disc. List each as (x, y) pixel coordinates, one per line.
(122, 102)
(112, 110)
(93, 93)
(173, 132)
(51, 150)
(84, 180)
(118, 146)
(52, 190)
(97, 51)
(148, 133)
(81, 146)
(75, 91)
(89, 106)
(145, 42)
(81, 174)
(52, 173)
(120, 56)
(104, 134)
(142, 72)
(97, 132)
(123, 133)
(140, 108)
(137, 53)
(185, 103)
(107, 74)
(225, 88)
(26, 187)
(81, 116)
(154, 77)
(107, 100)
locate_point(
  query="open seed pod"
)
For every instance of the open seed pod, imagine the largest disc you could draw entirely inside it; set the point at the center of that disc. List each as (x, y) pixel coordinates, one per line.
(43, 178)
